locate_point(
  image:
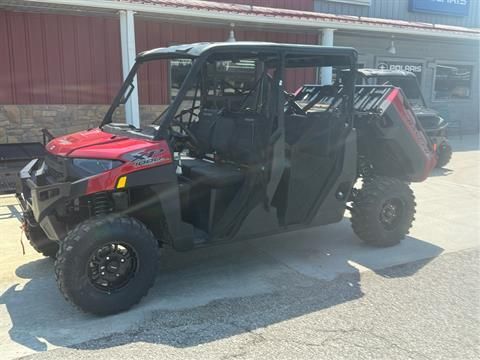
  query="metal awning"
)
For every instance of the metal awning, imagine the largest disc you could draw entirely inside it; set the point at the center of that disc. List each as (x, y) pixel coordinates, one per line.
(222, 13)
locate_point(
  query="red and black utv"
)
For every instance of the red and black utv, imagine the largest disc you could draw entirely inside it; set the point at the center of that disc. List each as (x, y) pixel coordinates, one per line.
(233, 157)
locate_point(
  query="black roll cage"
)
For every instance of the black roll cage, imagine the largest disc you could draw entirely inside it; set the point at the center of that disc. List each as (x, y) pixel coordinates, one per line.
(203, 51)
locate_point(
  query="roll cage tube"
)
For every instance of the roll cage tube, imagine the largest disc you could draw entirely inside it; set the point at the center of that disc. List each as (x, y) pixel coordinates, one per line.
(197, 63)
(350, 90)
(107, 119)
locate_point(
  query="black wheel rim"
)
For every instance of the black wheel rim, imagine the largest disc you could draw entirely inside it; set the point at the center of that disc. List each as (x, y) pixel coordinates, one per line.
(391, 213)
(112, 266)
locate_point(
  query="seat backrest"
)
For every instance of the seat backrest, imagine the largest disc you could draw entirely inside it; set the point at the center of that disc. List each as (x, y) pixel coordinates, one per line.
(222, 134)
(238, 137)
(203, 129)
(249, 141)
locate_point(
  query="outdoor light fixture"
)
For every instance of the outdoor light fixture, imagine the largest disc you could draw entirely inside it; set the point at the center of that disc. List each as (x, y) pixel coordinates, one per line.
(231, 36)
(391, 49)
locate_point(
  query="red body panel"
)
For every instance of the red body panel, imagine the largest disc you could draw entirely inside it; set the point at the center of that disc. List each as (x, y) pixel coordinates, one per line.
(409, 121)
(96, 144)
(136, 154)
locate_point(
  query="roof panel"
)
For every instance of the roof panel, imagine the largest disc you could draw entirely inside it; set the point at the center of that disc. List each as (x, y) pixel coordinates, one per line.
(195, 50)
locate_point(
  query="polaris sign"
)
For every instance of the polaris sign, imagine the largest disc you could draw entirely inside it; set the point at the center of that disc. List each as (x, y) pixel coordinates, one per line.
(444, 7)
(395, 65)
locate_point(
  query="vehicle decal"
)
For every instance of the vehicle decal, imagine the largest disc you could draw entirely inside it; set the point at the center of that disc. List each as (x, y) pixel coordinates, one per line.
(148, 157)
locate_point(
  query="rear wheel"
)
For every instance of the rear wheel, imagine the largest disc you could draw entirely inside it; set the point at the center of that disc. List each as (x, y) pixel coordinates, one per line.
(383, 211)
(106, 265)
(444, 152)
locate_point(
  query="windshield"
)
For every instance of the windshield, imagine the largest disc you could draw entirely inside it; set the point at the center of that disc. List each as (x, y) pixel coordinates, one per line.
(409, 86)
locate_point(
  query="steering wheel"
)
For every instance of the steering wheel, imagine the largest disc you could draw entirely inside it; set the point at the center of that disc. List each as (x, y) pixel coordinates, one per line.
(189, 135)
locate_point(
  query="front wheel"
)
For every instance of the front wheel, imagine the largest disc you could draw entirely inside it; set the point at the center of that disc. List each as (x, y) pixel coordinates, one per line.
(106, 265)
(383, 211)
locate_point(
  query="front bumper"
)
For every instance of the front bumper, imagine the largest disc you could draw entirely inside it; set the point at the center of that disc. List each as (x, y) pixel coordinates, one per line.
(46, 199)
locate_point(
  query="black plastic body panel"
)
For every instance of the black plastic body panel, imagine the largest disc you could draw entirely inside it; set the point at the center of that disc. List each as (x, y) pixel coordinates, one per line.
(44, 199)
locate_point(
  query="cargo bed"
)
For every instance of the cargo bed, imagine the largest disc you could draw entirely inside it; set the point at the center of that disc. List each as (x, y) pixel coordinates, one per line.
(389, 133)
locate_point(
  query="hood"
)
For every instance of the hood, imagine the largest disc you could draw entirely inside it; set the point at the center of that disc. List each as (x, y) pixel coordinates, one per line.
(95, 144)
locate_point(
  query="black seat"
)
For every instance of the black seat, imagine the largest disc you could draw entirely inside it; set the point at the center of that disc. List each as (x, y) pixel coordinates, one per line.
(234, 137)
(203, 129)
(212, 174)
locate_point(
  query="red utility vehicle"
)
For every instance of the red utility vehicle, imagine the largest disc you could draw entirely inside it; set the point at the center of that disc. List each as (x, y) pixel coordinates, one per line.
(234, 156)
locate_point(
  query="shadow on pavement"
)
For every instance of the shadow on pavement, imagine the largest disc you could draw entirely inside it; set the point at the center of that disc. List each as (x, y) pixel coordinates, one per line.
(9, 212)
(214, 293)
(441, 172)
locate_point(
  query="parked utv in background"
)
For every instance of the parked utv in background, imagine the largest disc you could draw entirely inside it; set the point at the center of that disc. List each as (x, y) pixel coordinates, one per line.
(234, 156)
(433, 124)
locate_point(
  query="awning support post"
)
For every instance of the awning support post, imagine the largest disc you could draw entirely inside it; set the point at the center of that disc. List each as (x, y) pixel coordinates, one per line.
(127, 40)
(326, 40)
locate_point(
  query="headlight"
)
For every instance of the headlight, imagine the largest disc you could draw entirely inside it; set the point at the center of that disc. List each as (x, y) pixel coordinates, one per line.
(88, 167)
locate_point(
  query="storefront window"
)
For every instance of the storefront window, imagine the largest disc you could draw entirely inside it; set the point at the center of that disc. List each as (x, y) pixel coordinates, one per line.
(453, 81)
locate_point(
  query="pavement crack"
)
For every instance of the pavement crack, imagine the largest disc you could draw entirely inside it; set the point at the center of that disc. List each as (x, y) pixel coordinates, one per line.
(255, 339)
(411, 353)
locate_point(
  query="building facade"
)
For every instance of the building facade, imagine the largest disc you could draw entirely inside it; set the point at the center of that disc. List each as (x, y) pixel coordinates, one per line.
(447, 68)
(63, 60)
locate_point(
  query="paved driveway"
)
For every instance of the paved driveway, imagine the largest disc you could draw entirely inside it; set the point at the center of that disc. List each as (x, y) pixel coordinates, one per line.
(297, 295)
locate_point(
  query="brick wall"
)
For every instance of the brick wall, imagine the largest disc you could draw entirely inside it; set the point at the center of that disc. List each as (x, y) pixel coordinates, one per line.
(23, 123)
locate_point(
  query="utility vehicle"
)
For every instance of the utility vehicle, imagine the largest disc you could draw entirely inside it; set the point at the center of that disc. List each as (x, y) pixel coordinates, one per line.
(233, 156)
(434, 125)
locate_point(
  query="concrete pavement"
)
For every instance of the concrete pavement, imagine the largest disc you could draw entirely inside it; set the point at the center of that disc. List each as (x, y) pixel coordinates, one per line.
(304, 277)
(419, 310)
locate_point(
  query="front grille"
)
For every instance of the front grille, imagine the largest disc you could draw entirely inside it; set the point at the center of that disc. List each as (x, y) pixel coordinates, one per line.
(55, 167)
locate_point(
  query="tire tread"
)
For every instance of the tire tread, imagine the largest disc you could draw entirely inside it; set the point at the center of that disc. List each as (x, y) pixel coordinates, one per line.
(76, 235)
(364, 214)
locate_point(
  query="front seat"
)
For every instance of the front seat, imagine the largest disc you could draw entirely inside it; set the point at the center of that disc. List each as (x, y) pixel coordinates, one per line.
(205, 172)
(214, 133)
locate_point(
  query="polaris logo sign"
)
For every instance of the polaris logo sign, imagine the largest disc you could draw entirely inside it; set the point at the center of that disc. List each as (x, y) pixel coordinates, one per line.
(414, 67)
(443, 7)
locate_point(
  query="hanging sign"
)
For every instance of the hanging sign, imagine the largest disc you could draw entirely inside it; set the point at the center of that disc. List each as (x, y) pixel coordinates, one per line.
(443, 7)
